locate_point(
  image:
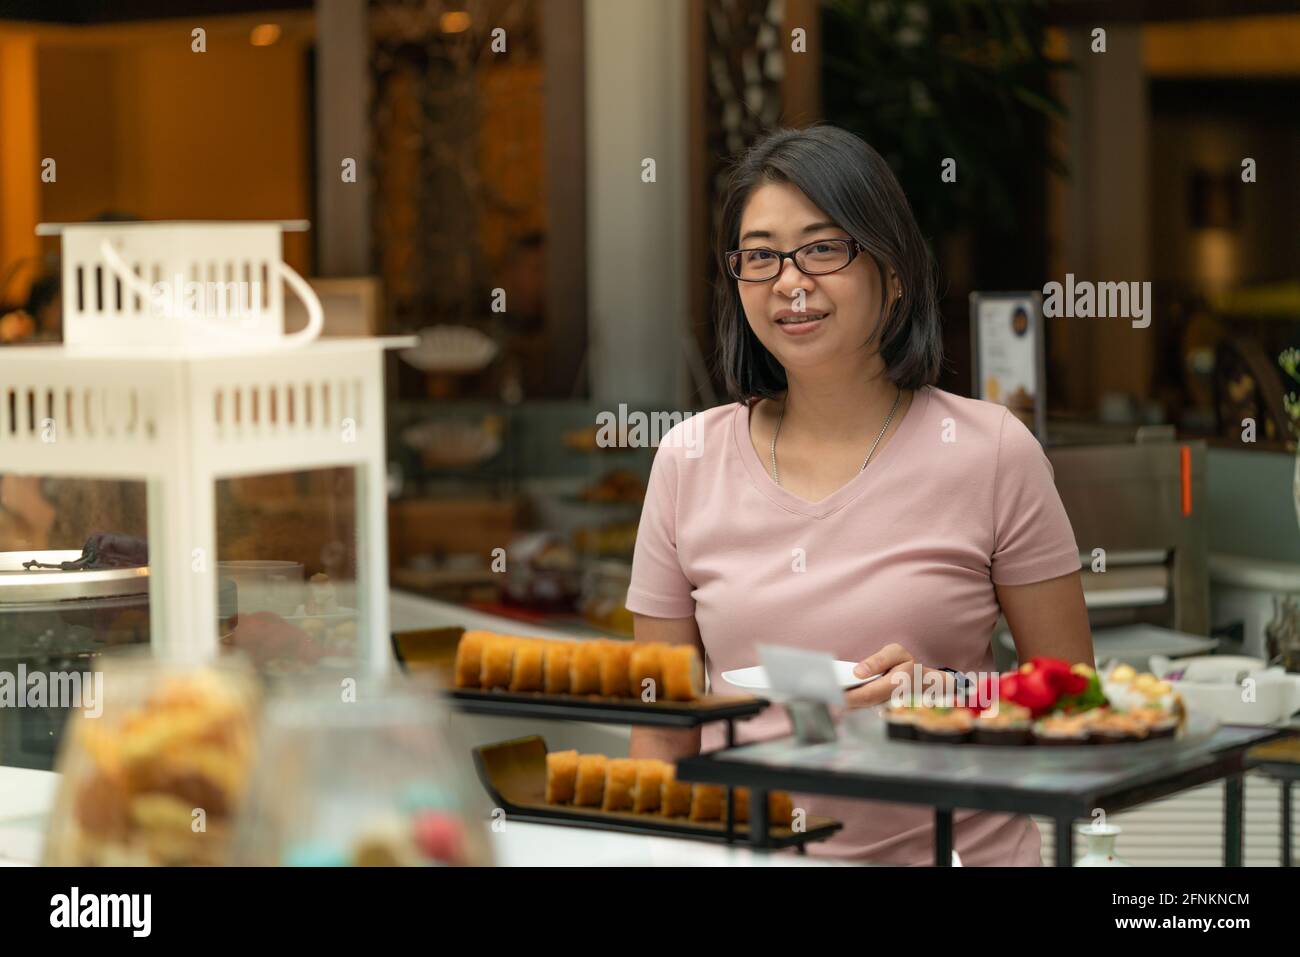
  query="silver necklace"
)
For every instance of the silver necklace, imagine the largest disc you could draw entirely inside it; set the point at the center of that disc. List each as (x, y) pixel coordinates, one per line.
(883, 429)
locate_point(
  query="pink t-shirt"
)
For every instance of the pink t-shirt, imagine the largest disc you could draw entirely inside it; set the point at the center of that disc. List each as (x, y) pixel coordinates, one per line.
(961, 498)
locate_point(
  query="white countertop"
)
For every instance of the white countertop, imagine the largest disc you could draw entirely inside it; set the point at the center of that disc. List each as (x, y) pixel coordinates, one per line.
(25, 800)
(26, 796)
(545, 845)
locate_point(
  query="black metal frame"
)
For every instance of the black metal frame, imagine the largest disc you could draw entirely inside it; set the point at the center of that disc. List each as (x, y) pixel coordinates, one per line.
(658, 714)
(1227, 764)
(1286, 774)
(759, 835)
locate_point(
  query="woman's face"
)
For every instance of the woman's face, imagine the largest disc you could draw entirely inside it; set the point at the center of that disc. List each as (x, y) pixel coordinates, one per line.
(779, 216)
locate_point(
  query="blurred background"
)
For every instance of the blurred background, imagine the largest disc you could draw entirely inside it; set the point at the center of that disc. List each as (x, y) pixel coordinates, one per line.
(474, 171)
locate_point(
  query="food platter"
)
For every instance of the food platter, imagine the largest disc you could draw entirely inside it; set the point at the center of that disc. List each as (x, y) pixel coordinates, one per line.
(868, 726)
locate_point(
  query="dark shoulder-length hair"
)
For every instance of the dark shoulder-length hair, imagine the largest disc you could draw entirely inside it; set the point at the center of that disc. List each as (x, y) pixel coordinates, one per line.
(850, 182)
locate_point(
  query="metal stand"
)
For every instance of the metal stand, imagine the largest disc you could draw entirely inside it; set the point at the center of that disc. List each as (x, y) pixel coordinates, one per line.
(731, 792)
(1064, 839)
(943, 837)
(1233, 794)
(1286, 823)
(1286, 773)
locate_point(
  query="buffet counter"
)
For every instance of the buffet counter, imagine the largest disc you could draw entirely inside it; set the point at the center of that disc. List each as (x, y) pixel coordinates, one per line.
(26, 796)
(1159, 831)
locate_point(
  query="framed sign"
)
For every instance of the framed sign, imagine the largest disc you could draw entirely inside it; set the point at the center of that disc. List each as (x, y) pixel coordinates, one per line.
(1007, 355)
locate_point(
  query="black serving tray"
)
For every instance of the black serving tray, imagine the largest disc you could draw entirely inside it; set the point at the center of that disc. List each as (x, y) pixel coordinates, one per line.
(567, 707)
(514, 775)
(434, 650)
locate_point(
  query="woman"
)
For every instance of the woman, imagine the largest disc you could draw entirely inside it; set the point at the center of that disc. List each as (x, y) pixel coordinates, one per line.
(843, 503)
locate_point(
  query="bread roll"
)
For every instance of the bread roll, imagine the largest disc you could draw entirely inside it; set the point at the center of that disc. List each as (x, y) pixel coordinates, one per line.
(645, 663)
(675, 796)
(683, 674)
(526, 672)
(584, 668)
(469, 658)
(740, 802)
(561, 776)
(614, 657)
(647, 792)
(557, 656)
(780, 808)
(620, 776)
(498, 657)
(706, 802)
(589, 786)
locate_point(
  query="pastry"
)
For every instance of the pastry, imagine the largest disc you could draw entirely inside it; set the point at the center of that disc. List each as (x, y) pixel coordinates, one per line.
(706, 802)
(557, 656)
(589, 784)
(620, 777)
(740, 804)
(584, 668)
(683, 673)
(614, 658)
(647, 791)
(644, 666)
(1115, 727)
(675, 798)
(900, 722)
(561, 776)
(498, 658)
(144, 778)
(1159, 722)
(780, 809)
(1004, 724)
(647, 786)
(1062, 729)
(943, 725)
(526, 672)
(612, 669)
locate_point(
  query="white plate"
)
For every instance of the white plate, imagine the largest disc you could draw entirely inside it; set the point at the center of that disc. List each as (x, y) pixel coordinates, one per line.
(451, 349)
(755, 678)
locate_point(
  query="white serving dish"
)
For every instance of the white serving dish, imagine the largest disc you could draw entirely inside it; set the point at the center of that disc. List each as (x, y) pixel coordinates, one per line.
(453, 443)
(1275, 696)
(755, 678)
(1216, 669)
(451, 349)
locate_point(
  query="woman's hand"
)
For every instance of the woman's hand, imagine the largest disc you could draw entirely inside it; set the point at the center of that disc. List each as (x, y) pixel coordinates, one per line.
(897, 669)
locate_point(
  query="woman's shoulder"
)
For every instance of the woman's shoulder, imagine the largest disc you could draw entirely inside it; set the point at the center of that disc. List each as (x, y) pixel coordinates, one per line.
(699, 432)
(986, 419)
(975, 433)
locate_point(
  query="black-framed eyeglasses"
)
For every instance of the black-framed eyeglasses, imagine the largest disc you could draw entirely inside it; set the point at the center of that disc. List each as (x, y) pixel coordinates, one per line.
(812, 259)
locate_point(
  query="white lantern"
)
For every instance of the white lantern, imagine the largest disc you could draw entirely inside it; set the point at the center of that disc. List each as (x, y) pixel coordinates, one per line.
(176, 371)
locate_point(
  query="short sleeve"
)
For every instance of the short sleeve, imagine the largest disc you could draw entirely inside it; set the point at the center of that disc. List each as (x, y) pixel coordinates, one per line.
(1033, 540)
(659, 587)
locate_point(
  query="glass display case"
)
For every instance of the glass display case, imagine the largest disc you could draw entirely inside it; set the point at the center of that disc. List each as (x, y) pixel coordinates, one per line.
(561, 496)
